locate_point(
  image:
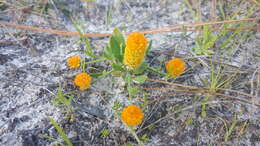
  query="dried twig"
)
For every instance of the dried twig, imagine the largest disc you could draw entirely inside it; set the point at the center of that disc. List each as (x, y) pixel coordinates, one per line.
(204, 92)
(178, 111)
(193, 89)
(173, 28)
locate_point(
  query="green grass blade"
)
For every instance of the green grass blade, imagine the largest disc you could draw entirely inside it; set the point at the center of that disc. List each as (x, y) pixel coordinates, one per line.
(60, 131)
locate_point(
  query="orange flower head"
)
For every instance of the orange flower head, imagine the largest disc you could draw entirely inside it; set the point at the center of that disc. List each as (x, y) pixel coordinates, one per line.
(175, 67)
(83, 81)
(135, 50)
(73, 62)
(132, 115)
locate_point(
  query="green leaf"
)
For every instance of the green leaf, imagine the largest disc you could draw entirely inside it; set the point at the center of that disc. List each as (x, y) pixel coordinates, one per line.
(96, 74)
(117, 44)
(118, 67)
(203, 113)
(60, 100)
(140, 79)
(132, 91)
(116, 105)
(140, 69)
(144, 138)
(60, 131)
(128, 78)
(206, 33)
(149, 47)
(105, 133)
(108, 53)
(89, 49)
(116, 73)
(189, 121)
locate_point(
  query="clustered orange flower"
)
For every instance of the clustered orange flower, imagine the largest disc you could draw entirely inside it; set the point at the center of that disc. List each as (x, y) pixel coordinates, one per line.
(132, 115)
(135, 50)
(175, 67)
(73, 62)
(83, 81)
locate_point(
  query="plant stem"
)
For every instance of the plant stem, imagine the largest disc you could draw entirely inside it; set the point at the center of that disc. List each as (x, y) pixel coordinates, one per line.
(131, 129)
(94, 61)
(156, 71)
(102, 76)
(90, 62)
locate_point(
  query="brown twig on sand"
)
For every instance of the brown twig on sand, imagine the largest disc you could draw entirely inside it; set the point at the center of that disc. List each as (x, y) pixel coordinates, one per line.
(173, 28)
(195, 90)
(204, 92)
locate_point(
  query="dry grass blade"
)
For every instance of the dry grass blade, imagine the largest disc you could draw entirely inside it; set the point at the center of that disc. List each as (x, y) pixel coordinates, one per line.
(203, 92)
(177, 111)
(179, 27)
(193, 89)
(174, 28)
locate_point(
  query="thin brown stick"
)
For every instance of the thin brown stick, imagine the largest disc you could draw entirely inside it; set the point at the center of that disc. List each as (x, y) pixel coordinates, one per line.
(181, 26)
(195, 29)
(174, 28)
(178, 111)
(193, 89)
(231, 66)
(200, 88)
(174, 84)
(52, 31)
(204, 92)
(12, 9)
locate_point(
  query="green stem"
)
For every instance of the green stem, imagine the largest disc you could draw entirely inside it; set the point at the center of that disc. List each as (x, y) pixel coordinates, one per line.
(94, 61)
(101, 77)
(131, 129)
(156, 71)
(90, 62)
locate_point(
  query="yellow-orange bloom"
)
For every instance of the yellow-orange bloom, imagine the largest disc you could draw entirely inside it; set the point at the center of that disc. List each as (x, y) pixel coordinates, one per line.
(73, 62)
(175, 67)
(132, 115)
(135, 50)
(83, 81)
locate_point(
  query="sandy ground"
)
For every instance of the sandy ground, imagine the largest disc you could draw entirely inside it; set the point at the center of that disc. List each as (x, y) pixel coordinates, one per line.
(32, 65)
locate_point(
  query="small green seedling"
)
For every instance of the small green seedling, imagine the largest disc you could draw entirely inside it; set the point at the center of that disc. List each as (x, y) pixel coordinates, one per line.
(144, 138)
(229, 127)
(189, 121)
(217, 79)
(204, 107)
(104, 133)
(205, 41)
(117, 107)
(145, 102)
(64, 100)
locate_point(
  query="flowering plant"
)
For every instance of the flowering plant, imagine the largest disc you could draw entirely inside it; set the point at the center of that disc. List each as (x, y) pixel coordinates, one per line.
(175, 67)
(73, 62)
(83, 81)
(127, 58)
(132, 115)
